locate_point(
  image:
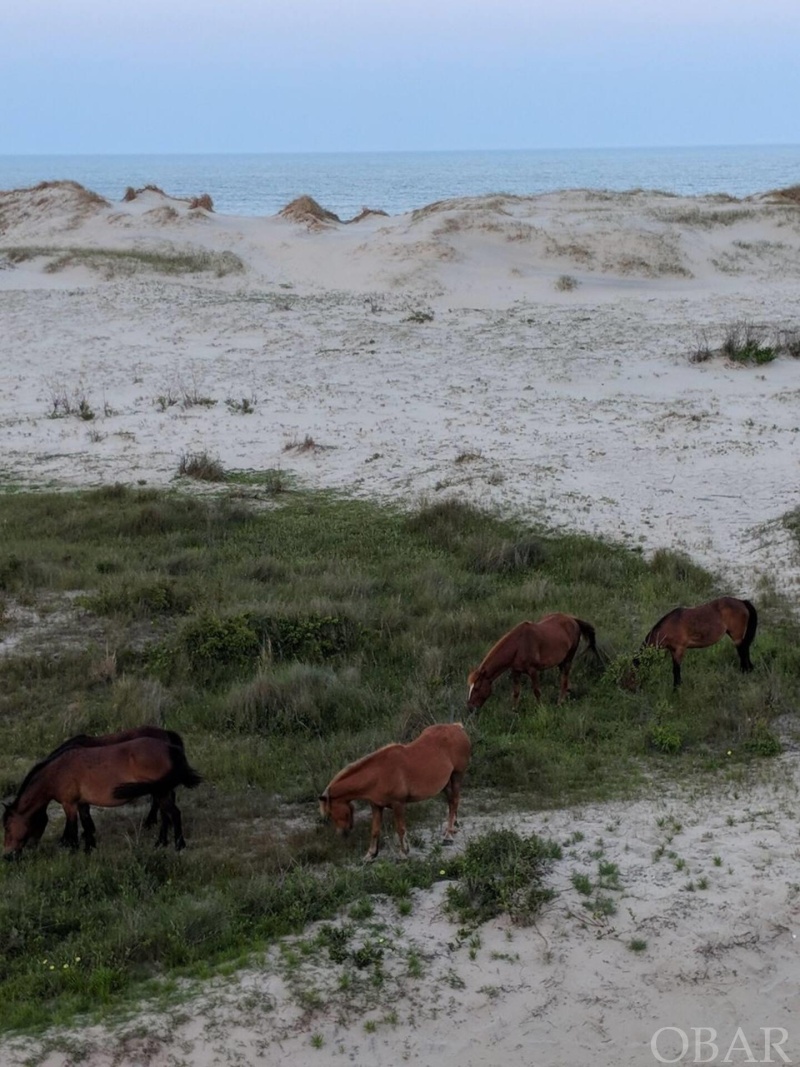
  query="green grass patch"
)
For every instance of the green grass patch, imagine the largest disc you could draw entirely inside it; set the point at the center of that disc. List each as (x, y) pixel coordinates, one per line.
(284, 636)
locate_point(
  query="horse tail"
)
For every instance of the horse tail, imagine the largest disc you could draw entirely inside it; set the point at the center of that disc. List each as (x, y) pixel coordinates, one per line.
(180, 773)
(175, 739)
(752, 623)
(588, 631)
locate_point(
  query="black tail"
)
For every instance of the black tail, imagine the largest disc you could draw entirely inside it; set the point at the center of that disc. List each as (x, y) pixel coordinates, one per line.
(180, 773)
(588, 631)
(752, 623)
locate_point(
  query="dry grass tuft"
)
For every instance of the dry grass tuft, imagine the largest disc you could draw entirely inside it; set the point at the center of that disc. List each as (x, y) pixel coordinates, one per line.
(204, 201)
(306, 209)
(202, 466)
(365, 212)
(565, 283)
(308, 444)
(789, 194)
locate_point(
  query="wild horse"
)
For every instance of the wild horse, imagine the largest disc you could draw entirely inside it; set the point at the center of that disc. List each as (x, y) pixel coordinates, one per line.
(702, 626)
(396, 775)
(527, 649)
(77, 775)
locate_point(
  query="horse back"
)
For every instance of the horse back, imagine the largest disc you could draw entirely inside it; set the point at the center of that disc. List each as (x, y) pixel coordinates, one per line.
(93, 774)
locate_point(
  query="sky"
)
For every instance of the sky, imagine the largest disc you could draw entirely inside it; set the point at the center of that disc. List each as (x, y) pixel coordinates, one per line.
(174, 76)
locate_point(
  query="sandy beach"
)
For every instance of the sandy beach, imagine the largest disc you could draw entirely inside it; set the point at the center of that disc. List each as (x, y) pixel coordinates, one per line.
(535, 355)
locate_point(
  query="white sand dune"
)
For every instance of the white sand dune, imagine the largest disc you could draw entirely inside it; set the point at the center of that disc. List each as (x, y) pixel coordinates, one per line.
(442, 353)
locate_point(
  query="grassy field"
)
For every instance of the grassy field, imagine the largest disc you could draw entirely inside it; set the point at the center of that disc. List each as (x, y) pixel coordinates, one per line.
(284, 634)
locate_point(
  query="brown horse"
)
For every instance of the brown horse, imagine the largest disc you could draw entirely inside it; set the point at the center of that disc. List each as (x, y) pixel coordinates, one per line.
(88, 741)
(702, 626)
(527, 649)
(397, 775)
(104, 775)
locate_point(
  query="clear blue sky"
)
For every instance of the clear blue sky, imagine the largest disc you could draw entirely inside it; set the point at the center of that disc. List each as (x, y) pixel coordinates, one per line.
(347, 75)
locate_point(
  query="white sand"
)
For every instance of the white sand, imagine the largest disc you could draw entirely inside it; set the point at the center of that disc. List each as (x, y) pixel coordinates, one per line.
(576, 408)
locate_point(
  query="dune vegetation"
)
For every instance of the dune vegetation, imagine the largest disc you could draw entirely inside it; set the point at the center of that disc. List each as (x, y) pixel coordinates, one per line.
(283, 634)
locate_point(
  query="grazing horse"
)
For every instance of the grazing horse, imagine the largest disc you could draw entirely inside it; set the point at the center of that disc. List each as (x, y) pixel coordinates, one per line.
(527, 649)
(702, 626)
(104, 775)
(87, 741)
(397, 775)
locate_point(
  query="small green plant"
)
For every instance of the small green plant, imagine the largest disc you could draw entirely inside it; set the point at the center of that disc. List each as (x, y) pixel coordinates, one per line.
(637, 944)
(582, 883)
(502, 872)
(362, 909)
(744, 343)
(317, 1040)
(718, 861)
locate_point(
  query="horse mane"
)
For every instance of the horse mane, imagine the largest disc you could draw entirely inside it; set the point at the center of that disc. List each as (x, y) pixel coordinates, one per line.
(479, 669)
(26, 781)
(660, 623)
(357, 765)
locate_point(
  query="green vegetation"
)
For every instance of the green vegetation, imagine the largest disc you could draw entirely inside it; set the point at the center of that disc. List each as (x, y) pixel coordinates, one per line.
(116, 262)
(285, 634)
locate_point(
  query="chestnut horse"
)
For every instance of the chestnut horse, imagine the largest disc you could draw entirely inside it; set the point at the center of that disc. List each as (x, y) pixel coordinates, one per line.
(527, 649)
(702, 626)
(397, 775)
(104, 775)
(87, 741)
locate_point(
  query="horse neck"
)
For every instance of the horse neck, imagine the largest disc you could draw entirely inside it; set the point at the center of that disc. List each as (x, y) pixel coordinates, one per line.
(35, 795)
(497, 659)
(350, 783)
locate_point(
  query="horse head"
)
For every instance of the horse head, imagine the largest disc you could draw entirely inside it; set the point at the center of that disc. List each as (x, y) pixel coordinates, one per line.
(16, 831)
(480, 689)
(338, 810)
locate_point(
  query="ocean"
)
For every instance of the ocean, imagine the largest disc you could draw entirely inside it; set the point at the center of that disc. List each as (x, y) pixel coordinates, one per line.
(401, 181)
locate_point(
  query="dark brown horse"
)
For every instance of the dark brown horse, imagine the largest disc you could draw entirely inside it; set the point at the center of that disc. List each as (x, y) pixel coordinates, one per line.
(527, 649)
(104, 775)
(702, 626)
(89, 741)
(397, 775)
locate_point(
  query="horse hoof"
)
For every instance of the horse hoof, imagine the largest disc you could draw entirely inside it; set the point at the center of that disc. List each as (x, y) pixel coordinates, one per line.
(180, 845)
(370, 857)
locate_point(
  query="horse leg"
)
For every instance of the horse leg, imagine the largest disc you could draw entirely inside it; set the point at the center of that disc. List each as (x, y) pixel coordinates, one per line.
(87, 822)
(677, 658)
(399, 816)
(375, 838)
(453, 793)
(564, 667)
(166, 812)
(177, 822)
(69, 839)
(745, 663)
(533, 674)
(515, 677)
(152, 815)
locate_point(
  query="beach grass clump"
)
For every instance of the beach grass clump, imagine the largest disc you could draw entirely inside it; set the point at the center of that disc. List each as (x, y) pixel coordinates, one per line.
(744, 342)
(202, 466)
(502, 873)
(748, 342)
